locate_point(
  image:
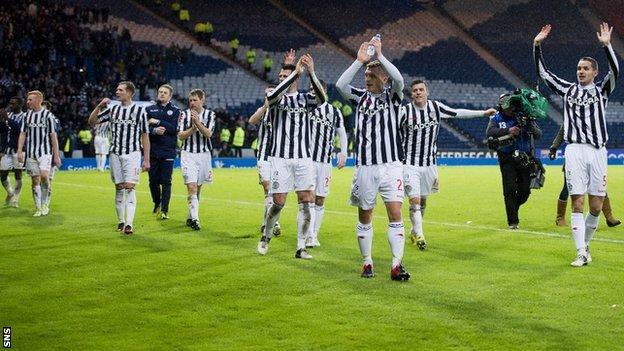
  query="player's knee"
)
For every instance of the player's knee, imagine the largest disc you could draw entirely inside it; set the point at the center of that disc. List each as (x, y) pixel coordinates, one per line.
(414, 200)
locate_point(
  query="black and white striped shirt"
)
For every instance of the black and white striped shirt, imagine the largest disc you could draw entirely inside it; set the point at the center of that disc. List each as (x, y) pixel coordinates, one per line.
(197, 142)
(127, 124)
(291, 125)
(38, 126)
(102, 130)
(325, 120)
(377, 134)
(264, 138)
(584, 119)
(14, 120)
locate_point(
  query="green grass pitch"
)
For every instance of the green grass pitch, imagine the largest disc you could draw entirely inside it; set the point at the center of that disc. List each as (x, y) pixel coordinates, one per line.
(69, 281)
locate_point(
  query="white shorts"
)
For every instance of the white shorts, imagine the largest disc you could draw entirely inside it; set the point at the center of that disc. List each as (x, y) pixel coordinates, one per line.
(125, 168)
(264, 171)
(586, 169)
(323, 173)
(385, 179)
(9, 162)
(35, 166)
(420, 181)
(196, 167)
(101, 145)
(291, 174)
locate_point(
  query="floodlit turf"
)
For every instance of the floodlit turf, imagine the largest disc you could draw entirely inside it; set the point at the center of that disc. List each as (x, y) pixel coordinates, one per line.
(69, 281)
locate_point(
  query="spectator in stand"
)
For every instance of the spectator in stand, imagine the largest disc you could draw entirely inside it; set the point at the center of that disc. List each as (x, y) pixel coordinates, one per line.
(267, 63)
(251, 57)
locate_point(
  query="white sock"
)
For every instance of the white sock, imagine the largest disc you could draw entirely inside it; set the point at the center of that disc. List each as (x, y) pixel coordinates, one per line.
(417, 219)
(396, 239)
(37, 196)
(193, 203)
(7, 186)
(18, 187)
(271, 218)
(318, 220)
(49, 197)
(591, 224)
(119, 204)
(304, 221)
(268, 202)
(98, 159)
(364, 234)
(44, 193)
(578, 232)
(130, 206)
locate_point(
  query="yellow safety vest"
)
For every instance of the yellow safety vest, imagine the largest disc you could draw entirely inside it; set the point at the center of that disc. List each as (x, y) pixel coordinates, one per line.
(225, 135)
(184, 15)
(239, 137)
(85, 136)
(254, 144)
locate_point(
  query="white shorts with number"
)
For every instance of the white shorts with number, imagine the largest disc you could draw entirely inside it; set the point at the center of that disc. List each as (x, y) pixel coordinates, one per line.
(125, 168)
(101, 145)
(291, 174)
(9, 162)
(35, 166)
(264, 171)
(420, 181)
(323, 173)
(586, 169)
(385, 179)
(196, 167)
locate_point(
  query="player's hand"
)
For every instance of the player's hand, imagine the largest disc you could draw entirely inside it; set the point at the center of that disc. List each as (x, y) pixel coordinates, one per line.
(301, 64)
(20, 157)
(543, 34)
(104, 102)
(153, 121)
(57, 161)
(604, 36)
(342, 159)
(552, 154)
(146, 165)
(194, 117)
(159, 130)
(490, 112)
(309, 62)
(514, 130)
(289, 57)
(362, 56)
(376, 42)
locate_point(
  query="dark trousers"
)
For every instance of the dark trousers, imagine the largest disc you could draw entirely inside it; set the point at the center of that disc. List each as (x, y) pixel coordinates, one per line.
(160, 181)
(238, 151)
(516, 186)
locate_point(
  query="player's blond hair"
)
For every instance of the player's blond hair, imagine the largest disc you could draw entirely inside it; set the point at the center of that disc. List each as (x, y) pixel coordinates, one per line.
(35, 92)
(197, 92)
(167, 86)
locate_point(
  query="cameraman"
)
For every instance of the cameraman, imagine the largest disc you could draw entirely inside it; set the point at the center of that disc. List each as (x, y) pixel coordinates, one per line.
(510, 133)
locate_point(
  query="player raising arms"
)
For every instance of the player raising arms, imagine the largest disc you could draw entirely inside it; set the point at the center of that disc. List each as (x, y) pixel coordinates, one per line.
(292, 167)
(378, 153)
(585, 131)
(38, 132)
(128, 124)
(326, 122)
(195, 129)
(420, 125)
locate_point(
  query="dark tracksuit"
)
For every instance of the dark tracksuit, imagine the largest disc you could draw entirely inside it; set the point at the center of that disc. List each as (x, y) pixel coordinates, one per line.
(516, 178)
(162, 152)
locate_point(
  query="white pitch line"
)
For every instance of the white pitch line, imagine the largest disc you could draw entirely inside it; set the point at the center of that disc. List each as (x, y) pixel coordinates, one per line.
(354, 214)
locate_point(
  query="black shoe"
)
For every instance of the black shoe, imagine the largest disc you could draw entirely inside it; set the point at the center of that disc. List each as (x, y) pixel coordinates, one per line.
(615, 223)
(195, 224)
(156, 208)
(120, 227)
(128, 230)
(189, 222)
(399, 273)
(367, 271)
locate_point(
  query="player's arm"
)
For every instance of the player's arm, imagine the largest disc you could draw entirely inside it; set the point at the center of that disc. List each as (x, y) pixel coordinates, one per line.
(146, 151)
(275, 95)
(556, 84)
(397, 79)
(343, 84)
(259, 114)
(319, 92)
(100, 113)
(449, 112)
(56, 156)
(608, 83)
